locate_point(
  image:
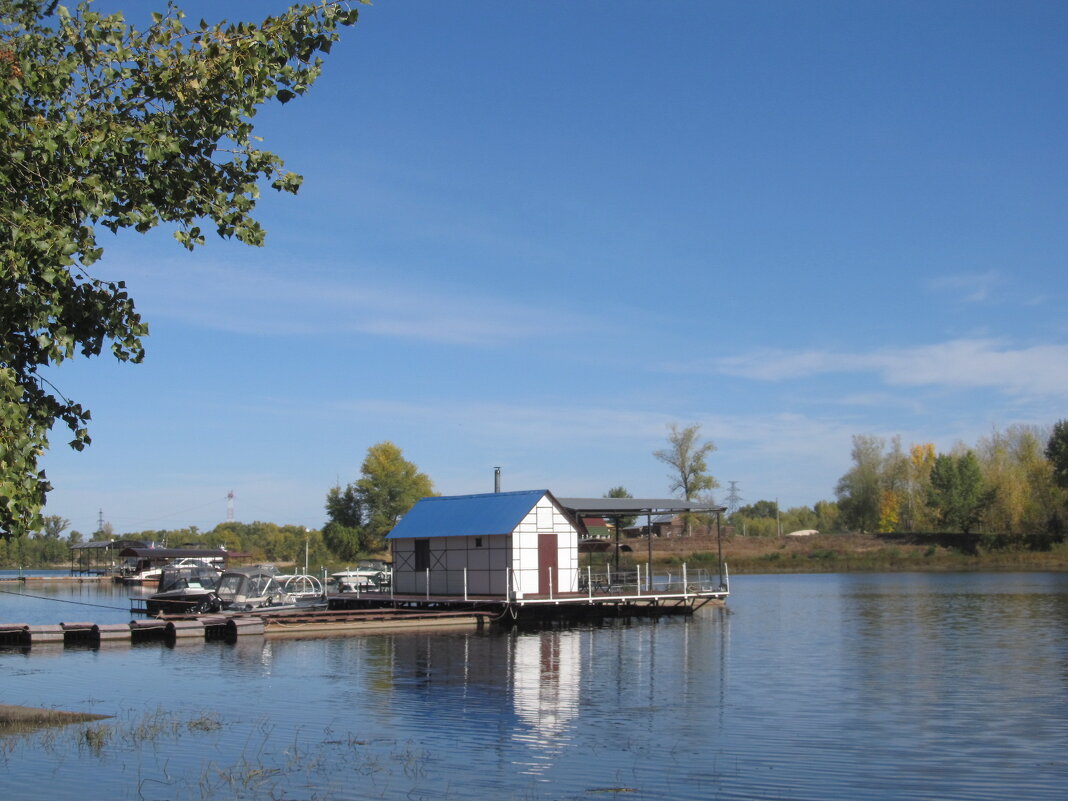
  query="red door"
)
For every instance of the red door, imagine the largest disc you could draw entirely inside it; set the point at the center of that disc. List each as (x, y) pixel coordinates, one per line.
(547, 566)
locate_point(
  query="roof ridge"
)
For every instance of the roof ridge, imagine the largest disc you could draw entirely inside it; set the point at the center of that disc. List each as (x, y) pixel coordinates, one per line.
(482, 495)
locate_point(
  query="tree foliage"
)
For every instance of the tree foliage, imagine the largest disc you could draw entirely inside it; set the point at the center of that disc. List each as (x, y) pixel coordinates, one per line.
(53, 526)
(687, 456)
(1004, 488)
(957, 492)
(1016, 470)
(621, 492)
(362, 513)
(388, 487)
(345, 513)
(764, 518)
(860, 489)
(758, 510)
(1057, 453)
(111, 127)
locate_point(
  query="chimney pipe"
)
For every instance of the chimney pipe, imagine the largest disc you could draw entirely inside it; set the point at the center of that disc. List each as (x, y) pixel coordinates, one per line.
(496, 479)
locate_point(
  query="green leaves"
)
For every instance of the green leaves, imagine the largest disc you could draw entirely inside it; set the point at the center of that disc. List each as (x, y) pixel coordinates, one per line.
(361, 514)
(106, 126)
(1057, 453)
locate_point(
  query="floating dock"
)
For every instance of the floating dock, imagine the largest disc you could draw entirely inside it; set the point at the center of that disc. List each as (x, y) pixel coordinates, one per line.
(353, 613)
(64, 579)
(228, 628)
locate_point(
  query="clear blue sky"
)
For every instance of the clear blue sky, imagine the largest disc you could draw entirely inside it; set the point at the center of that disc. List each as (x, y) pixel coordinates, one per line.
(533, 234)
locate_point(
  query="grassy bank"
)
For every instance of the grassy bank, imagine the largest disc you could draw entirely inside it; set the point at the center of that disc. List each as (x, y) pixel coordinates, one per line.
(842, 553)
(27, 718)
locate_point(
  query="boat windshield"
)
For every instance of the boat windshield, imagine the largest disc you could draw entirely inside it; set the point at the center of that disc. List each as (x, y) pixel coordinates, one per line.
(232, 585)
(179, 578)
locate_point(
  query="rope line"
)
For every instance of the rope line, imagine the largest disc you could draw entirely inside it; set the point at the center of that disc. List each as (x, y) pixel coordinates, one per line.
(62, 600)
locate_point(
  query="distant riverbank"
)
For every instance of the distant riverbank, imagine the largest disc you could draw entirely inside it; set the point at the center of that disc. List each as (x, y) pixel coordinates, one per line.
(835, 553)
(823, 553)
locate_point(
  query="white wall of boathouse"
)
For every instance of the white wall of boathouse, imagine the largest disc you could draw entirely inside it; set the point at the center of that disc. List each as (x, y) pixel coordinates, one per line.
(527, 579)
(501, 565)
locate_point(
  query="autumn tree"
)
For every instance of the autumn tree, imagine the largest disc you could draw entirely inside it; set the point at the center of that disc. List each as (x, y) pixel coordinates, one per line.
(1016, 469)
(111, 127)
(921, 462)
(388, 487)
(687, 456)
(363, 513)
(893, 487)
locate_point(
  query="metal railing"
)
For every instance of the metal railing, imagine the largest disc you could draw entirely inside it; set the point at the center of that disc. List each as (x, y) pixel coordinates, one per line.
(638, 581)
(604, 581)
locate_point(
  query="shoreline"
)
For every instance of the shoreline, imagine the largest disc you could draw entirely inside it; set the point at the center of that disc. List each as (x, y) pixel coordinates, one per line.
(820, 553)
(842, 553)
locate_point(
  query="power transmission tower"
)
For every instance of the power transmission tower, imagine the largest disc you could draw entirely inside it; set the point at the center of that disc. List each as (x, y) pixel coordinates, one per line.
(734, 498)
(230, 506)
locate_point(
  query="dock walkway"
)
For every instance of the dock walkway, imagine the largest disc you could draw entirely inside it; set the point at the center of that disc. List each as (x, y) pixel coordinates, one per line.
(190, 628)
(353, 613)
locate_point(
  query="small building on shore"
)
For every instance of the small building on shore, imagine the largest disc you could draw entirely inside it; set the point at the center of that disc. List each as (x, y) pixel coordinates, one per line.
(505, 544)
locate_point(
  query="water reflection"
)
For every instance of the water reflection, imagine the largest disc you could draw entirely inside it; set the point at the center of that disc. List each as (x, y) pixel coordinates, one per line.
(545, 694)
(830, 687)
(44, 602)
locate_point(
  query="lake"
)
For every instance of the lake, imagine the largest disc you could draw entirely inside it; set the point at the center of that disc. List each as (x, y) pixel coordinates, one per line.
(890, 686)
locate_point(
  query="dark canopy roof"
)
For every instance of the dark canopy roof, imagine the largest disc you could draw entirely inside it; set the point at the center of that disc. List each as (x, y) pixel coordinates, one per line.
(108, 545)
(163, 554)
(627, 507)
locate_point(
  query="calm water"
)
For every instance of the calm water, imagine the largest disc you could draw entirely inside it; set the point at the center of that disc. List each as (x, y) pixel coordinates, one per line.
(903, 686)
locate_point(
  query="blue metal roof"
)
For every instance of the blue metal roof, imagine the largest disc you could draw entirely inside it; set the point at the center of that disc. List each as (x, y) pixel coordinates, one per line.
(467, 515)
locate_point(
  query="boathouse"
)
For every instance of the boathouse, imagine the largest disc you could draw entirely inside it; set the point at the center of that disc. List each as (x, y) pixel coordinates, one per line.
(504, 544)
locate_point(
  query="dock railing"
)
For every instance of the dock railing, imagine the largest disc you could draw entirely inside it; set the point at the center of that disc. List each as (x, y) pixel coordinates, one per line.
(639, 581)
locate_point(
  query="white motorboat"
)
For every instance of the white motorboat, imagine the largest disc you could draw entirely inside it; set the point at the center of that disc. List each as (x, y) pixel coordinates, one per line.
(368, 575)
(243, 589)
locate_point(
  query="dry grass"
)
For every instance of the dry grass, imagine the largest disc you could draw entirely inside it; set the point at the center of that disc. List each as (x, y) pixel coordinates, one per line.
(25, 718)
(840, 552)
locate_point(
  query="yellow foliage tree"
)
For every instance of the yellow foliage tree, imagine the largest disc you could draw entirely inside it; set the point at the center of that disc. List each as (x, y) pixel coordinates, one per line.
(889, 510)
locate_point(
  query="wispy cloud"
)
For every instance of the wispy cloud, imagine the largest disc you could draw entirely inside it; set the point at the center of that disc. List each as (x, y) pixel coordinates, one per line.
(962, 363)
(519, 421)
(969, 287)
(248, 301)
(591, 426)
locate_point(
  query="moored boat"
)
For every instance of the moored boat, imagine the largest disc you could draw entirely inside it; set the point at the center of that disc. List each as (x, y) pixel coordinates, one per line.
(145, 565)
(368, 575)
(187, 586)
(243, 589)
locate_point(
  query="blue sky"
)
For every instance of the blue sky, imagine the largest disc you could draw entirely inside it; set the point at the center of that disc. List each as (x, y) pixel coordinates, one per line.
(534, 234)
